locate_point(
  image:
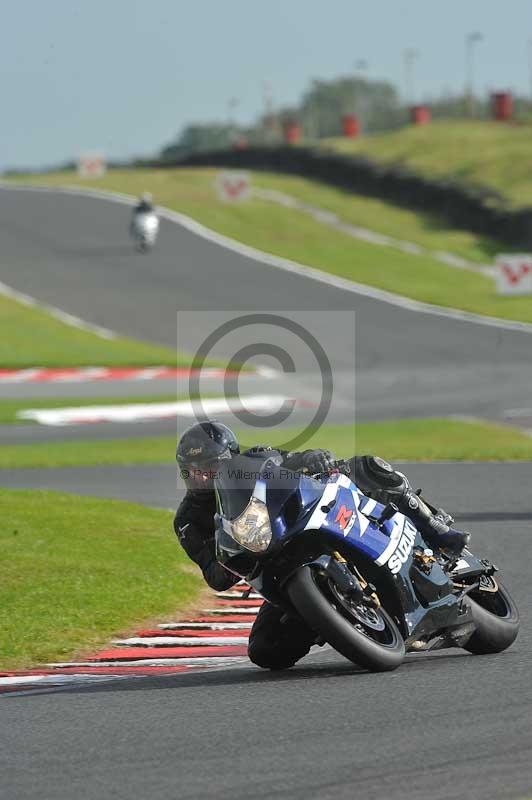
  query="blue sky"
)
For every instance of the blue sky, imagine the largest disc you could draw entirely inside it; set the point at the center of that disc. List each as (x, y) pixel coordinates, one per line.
(124, 76)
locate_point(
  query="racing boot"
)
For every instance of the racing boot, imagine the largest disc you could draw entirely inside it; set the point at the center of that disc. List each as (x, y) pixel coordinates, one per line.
(435, 527)
(379, 480)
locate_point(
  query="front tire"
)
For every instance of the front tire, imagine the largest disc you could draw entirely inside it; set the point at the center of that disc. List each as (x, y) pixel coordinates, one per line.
(378, 647)
(497, 621)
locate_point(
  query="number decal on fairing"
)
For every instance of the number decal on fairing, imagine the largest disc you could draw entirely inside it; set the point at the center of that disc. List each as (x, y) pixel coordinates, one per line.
(403, 549)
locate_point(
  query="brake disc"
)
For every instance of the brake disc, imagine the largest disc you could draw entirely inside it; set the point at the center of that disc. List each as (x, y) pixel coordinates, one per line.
(363, 613)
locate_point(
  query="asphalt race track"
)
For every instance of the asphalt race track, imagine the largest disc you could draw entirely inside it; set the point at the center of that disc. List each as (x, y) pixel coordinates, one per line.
(407, 363)
(445, 725)
(494, 491)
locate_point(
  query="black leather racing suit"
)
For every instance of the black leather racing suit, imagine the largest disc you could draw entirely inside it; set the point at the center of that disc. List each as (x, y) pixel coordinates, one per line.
(275, 641)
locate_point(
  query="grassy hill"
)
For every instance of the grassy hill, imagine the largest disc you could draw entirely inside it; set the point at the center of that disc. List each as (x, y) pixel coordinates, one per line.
(493, 154)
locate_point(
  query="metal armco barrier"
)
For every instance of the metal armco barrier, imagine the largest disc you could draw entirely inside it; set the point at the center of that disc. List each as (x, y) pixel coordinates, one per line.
(478, 209)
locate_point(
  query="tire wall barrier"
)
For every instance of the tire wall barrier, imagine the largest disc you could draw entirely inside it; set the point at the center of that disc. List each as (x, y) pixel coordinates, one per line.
(474, 208)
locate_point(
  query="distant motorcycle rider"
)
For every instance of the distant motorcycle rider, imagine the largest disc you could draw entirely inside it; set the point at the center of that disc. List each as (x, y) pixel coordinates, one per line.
(144, 223)
(276, 641)
(144, 204)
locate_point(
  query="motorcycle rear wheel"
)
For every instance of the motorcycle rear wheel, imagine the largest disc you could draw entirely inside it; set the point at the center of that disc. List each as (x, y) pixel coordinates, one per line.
(368, 637)
(497, 621)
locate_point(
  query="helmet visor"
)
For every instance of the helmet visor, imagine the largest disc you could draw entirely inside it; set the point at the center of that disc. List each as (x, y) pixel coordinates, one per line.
(199, 477)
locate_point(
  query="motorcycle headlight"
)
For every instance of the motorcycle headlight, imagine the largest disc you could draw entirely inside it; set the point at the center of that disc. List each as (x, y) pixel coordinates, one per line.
(252, 528)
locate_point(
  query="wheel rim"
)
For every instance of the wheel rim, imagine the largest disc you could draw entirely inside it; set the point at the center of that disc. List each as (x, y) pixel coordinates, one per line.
(493, 601)
(368, 621)
(366, 615)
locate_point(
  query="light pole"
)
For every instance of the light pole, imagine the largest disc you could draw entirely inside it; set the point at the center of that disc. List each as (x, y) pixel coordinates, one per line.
(361, 66)
(471, 40)
(270, 127)
(311, 116)
(410, 56)
(232, 105)
(530, 66)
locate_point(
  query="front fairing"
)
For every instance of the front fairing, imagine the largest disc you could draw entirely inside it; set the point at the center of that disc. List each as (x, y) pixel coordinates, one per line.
(289, 496)
(298, 504)
(333, 515)
(344, 514)
(423, 594)
(231, 554)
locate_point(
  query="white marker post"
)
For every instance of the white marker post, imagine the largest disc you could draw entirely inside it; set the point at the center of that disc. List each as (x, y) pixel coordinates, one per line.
(233, 186)
(513, 274)
(91, 165)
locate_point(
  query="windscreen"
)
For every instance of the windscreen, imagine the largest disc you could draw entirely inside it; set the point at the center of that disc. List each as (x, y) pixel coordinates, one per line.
(240, 477)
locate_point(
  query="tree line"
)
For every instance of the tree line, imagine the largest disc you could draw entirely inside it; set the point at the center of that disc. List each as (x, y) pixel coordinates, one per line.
(320, 110)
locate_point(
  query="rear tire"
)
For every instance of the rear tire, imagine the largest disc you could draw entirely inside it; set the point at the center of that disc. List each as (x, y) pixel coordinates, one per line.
(384, 652)
(496, 619)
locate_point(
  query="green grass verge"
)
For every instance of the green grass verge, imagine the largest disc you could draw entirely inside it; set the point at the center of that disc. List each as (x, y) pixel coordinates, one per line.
(77, 570)
(91, 452)
(416, 439)
(10, 408)
(490, 153)
(32, 337)
(295, 235)
(426, 230)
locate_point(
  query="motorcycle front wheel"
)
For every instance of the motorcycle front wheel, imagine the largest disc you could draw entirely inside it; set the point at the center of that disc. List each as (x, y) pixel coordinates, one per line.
(365, 635)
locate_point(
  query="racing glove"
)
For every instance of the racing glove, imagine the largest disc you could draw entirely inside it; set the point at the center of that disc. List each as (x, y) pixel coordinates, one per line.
(311, 462)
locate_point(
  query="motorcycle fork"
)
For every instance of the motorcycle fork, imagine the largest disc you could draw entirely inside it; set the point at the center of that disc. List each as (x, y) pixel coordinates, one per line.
(369, 592)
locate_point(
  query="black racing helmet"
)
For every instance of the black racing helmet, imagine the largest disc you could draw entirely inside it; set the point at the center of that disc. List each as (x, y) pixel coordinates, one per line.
(199, 451)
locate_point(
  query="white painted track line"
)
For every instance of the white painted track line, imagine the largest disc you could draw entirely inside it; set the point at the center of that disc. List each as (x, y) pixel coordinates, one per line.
(212, 626)
(181, 641)
(202, 661)
(232, 610)
(135, 412)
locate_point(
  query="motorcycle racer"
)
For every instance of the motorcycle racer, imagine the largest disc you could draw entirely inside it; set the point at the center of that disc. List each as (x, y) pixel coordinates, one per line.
(276, 640)
(144, 223)
(144, 204)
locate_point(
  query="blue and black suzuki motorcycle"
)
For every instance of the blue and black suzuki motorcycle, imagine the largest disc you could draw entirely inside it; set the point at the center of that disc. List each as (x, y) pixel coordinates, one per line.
(357, 572)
